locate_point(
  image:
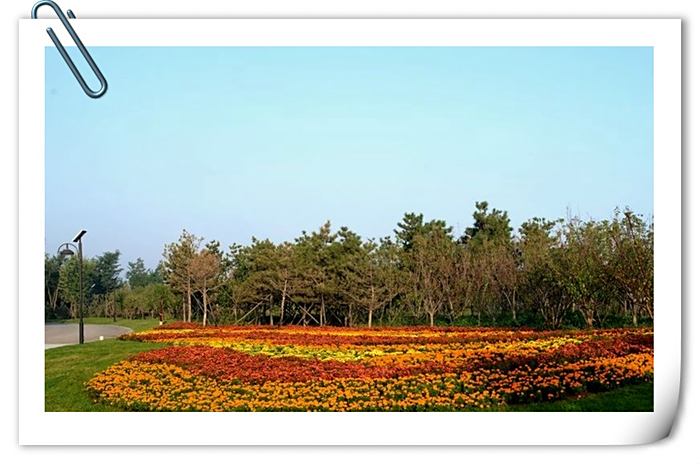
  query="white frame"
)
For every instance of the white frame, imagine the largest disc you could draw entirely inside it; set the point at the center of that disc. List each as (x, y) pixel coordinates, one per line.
(39, 427)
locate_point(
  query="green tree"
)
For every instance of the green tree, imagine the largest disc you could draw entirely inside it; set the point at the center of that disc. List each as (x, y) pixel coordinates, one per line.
(69, 282)
(313, 277)
(52, 269)
(541, 254)
(158, 299)
(632, 263)
(584, 275)
(488, 225)
(255, 268)
(552, 274)
(139, 276)
(177, 268)
(432, 254)
(371, 276)
(492, 251)
(408, 229)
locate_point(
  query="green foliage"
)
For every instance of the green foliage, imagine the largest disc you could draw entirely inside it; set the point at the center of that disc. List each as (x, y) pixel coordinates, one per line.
(551, 273)
(137, 275)
(488, 226)
(106, 275)
(410, 226)
(158, 299)
(69, 282)
(53, 304)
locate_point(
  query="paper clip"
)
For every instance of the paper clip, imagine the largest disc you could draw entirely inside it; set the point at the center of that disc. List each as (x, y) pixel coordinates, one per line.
(103, 82)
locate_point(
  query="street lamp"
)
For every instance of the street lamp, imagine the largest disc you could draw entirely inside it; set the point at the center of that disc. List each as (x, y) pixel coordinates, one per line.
(64, 251)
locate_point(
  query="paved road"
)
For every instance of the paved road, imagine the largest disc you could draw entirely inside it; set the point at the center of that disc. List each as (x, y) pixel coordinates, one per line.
(67, 334)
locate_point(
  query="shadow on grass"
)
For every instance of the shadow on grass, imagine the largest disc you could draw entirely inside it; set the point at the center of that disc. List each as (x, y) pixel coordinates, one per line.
(631, 398)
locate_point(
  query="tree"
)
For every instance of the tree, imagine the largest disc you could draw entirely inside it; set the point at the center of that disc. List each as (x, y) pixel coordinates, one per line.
(541, 255)
(282, 276)
(632, 263)
(134, 304)
(205, 273)
(432, 254)
(120, 297)
(461, 290)
(107, 272)
(139, 276)
(263, 272)
(499, 263)
(408, 229)
(490, 244)
(106, 276)
(158, 298)
(584, 274)
(488, 226)
(313, 274)
(52, 269)
(69, 281)
(369, 275)
(177, 267)
(551, 273)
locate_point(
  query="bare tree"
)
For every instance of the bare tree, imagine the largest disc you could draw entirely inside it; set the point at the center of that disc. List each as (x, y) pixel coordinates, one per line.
(205, 272)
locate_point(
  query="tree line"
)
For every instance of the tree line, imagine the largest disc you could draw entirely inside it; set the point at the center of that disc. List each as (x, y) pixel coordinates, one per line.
(551, 273)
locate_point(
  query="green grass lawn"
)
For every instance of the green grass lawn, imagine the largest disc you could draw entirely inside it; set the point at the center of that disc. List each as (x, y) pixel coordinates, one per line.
(136, 325)
(632, 398)
(67, 369)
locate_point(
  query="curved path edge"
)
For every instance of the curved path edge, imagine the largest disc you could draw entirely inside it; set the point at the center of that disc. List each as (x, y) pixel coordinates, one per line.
(56, 335)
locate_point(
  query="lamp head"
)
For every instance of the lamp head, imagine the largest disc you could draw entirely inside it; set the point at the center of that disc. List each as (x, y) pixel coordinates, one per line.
(65, 252)
(79, 235)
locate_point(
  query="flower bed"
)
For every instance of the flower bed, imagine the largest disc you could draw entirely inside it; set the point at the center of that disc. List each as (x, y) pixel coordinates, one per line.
(348, 369)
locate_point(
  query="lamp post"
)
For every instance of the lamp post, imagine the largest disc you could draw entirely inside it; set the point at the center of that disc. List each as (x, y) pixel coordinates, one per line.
(64, 251)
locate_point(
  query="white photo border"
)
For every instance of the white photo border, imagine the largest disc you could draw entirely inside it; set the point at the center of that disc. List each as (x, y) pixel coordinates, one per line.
(373, 428)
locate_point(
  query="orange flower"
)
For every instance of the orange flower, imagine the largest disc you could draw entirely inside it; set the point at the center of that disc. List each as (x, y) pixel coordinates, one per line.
(388, 369)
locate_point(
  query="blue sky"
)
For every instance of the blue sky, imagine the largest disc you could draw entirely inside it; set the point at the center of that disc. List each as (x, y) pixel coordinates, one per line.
(234, 142)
